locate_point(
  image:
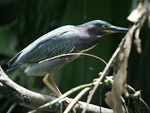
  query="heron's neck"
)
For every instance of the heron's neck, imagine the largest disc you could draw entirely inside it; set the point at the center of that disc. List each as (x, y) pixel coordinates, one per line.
(86, 39)
(94, 30)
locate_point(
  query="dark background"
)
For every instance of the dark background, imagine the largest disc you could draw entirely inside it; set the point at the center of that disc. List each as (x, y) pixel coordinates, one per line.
(23, 21)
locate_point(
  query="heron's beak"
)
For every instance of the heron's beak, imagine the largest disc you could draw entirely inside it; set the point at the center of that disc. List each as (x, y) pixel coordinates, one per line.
(113, 29)
(116, 29)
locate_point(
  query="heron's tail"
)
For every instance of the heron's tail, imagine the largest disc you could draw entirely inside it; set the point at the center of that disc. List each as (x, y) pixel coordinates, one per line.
(14, 62)
(11, 68)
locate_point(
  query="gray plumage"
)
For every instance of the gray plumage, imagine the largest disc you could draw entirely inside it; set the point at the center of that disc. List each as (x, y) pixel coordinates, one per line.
(62, 40)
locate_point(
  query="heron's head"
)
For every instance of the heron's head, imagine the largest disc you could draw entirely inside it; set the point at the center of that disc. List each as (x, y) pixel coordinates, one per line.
(103, 27)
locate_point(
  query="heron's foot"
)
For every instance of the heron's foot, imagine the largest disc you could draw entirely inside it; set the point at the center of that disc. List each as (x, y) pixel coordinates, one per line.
(61, 104)
(68, 100)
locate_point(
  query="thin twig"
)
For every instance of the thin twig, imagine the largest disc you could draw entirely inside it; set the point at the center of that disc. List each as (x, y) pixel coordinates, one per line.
(124, 103)
(143, 105)
(71, 54)
(11, 108)
(76, 99)
(105, 71)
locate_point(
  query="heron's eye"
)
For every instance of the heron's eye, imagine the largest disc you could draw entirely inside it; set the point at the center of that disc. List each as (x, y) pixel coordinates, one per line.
(105, 26)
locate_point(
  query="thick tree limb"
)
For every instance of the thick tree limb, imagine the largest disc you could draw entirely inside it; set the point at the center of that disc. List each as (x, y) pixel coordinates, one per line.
(30, 99)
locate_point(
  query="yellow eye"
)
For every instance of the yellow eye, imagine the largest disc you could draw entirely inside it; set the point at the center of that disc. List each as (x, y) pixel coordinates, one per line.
(105, 26)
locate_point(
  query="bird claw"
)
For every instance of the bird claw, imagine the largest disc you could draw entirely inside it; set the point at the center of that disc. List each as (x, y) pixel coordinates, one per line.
(68, 100)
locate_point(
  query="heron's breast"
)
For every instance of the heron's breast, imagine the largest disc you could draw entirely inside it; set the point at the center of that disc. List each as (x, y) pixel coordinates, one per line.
(50, 66)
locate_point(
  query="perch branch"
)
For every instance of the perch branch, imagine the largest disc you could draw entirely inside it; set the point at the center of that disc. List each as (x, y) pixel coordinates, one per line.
(49, 104)
(30, 99)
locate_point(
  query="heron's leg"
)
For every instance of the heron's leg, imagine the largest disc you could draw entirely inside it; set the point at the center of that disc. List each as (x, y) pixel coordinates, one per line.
(57, 89)
(54, 85)
(45, 80)
(51, 79)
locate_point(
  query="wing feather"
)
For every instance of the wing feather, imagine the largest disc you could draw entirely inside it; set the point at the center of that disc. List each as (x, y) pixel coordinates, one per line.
(52, 44)
(51, 48)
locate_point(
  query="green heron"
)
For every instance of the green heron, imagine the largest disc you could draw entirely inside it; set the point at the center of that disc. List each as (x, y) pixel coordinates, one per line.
(63, 40)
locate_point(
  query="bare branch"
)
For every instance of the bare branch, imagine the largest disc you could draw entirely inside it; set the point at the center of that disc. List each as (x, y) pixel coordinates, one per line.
(11, 108)
(76, 99)
(102, 76)
(132, 91)
(30, 99)
(113, 98)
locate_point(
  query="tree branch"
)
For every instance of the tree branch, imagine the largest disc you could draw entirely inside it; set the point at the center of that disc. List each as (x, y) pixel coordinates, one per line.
(30, 99)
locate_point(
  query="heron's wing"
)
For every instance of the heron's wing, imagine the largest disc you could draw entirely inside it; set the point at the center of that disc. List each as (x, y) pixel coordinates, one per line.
(56, 42)
(57, 45)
